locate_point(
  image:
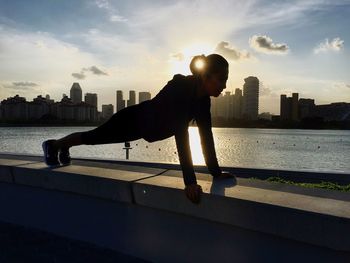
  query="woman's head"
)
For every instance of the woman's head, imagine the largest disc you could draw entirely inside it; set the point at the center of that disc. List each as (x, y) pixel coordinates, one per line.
(213, 71)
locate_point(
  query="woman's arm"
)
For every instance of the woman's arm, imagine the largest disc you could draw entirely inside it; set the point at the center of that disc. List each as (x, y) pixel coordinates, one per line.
(203, 120)
(185, 157)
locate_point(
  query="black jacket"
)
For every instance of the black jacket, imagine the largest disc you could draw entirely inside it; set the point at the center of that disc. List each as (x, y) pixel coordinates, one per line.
(170, 112)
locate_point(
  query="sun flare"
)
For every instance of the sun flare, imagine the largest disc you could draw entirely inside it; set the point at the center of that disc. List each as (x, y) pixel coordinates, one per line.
(180, 64)
(199, 64)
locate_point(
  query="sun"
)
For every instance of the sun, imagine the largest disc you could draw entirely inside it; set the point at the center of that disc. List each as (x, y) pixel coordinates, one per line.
(199, 64)
(181, 66)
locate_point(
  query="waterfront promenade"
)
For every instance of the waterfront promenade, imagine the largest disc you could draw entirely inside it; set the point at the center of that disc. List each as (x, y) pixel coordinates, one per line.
(140, 209)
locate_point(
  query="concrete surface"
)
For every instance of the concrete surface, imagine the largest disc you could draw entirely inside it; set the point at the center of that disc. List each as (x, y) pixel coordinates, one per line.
(143, 211)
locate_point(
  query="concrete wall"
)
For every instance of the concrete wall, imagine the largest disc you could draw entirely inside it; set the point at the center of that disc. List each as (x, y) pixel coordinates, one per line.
(143, 211)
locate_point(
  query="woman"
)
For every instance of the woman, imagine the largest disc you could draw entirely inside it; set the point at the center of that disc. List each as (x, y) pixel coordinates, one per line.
(183, 99)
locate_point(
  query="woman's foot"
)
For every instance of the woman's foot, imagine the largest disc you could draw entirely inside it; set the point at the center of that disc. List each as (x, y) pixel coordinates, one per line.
(50, 153)
(64, 156)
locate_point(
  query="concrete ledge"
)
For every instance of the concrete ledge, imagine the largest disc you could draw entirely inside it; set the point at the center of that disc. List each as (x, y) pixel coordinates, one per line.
(92, 181)
(6, 166)
(134, 208)
(342, 178)
(315, 220)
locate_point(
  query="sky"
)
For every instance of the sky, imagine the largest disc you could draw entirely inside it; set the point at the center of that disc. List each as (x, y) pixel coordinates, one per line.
(291, 46)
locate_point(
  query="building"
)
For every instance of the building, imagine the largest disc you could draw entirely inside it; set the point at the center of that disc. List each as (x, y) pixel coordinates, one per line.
(295, 109)
(39, 107)
(222, 106)
(306, 108)
(120, 103)
(132, 98)
(227, 106)
(69, 111)
(14, 108)
(251, 98)
(285, 107)
(63, 110)
(144, 96)
(76, 93)
(237, 104)
(339, 111)
(107, 111)
(91, 98)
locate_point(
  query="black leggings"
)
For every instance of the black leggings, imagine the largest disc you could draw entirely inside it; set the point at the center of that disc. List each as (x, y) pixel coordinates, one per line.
(122, 126)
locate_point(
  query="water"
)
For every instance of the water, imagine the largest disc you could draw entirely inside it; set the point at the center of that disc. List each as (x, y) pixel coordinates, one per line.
(316, 150)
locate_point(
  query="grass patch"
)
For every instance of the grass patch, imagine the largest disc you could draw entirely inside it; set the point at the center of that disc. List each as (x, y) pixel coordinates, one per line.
(323, 184)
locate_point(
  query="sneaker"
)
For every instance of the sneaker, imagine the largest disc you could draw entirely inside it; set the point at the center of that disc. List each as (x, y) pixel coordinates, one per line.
(64, 157)
(50, 154)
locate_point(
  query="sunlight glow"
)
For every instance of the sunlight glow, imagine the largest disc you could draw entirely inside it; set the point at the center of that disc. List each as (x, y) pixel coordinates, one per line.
(196, 148)
(182, 66)
(199, 64)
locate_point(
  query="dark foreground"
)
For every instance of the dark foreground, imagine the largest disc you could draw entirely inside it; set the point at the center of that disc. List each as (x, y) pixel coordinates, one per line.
(21, 244)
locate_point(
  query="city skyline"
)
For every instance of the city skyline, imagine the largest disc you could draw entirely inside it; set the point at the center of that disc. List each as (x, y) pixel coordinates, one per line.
(293, 46)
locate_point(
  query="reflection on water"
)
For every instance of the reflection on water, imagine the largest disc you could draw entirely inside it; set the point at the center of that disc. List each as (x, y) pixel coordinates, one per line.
(321, 150)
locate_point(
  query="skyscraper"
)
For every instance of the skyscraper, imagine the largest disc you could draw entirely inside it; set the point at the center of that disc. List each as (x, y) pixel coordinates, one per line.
(295, 109)
(306, 108)
(295, 99)
(237, 104)
(76, 93)
(91, 98)
(132, 98)
(120, 103)
(251, 98)
(107, 111)
(285, 111)
(144, 96)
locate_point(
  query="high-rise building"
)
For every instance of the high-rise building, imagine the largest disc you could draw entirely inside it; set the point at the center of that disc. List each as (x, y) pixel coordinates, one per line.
(107, 111)
(306, 108)
(289, 107)
(132, 98)
(120, 103)
(76, 93)
(295, 99)
(91, 98)
(144, 96)
(237, 104)
(251, 98)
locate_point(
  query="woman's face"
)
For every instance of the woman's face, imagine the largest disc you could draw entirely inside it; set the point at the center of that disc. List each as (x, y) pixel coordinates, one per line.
(215, 83)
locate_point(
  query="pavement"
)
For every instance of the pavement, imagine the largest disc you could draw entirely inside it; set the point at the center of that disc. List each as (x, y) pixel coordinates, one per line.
(21, 244)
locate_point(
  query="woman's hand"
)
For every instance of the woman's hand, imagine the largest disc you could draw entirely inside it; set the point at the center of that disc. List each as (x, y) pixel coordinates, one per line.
(194, 192)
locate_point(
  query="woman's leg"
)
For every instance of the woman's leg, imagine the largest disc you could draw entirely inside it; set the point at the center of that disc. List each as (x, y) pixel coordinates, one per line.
(68, 141)
(121, 127)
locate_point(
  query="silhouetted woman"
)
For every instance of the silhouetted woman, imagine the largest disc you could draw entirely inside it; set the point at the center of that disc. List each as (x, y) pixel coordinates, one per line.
(184, 98)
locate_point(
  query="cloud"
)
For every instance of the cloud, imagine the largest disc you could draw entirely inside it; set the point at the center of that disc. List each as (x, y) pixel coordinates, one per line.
(93, 69)
(341, 85)
(264, 91)
(21, 85)
(79, 75)
(178, 56)
(230, 52)
(264, 44)
(335, 45)
(24, 84)
(111, 11)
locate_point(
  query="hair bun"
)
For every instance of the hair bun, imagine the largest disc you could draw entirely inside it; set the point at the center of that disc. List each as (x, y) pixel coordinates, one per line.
(194, 67)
